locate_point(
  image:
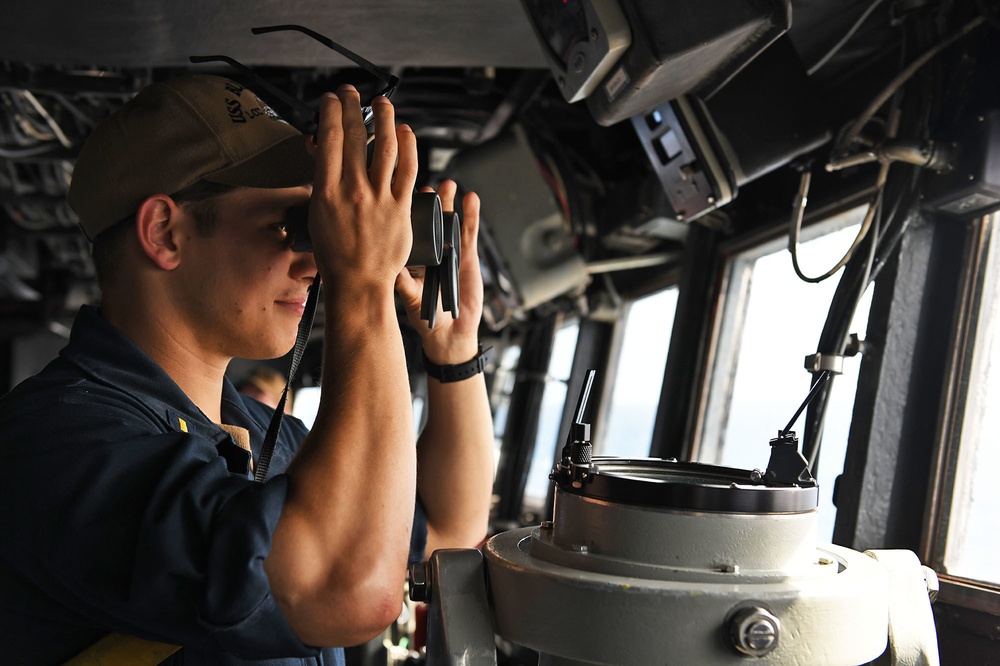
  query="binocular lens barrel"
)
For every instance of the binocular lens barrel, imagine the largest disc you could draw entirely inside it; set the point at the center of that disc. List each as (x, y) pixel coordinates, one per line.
(426, 220)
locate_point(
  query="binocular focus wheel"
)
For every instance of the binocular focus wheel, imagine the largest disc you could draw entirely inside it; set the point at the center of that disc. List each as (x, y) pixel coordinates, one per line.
(450, 261)
(429, 298)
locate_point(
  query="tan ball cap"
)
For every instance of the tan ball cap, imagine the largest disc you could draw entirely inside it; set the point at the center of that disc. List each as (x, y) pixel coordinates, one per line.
(175, 133)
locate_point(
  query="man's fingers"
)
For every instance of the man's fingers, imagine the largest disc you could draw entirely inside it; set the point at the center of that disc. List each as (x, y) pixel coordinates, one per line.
(329, 140)
(384, 153)
(446, 190)
(355, 145)
(470, 236)
(410, 286)
(405, 178)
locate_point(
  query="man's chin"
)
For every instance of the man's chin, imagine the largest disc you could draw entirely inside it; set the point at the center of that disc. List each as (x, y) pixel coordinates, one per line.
(268, 352)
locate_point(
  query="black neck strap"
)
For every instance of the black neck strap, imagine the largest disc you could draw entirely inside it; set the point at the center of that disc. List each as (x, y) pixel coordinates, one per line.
(301, 339)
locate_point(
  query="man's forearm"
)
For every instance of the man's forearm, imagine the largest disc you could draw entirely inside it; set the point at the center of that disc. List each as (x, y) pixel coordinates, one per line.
(343, 537)
(455, 468)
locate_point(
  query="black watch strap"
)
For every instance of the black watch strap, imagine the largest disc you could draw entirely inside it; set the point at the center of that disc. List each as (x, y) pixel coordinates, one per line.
(456, 373)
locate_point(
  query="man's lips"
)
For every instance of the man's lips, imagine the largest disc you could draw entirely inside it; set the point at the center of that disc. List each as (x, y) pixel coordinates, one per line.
(297, 305)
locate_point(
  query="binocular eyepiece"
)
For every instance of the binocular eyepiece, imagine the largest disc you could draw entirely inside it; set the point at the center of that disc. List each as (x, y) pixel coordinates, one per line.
(436, 246)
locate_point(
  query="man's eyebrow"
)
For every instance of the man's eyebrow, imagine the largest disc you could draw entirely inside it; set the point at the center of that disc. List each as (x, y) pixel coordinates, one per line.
(280, 205)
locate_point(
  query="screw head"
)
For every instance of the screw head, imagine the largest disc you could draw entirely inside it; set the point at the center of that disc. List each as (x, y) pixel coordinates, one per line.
(754, 630)
(418, 582)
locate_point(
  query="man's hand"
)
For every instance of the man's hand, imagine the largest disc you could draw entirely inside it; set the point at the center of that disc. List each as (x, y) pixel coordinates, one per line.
(359, 217)
(451, 340)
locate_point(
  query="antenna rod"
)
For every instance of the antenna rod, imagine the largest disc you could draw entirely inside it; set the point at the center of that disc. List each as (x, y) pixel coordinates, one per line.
(581, 408)
(581, 403)
(823, 378)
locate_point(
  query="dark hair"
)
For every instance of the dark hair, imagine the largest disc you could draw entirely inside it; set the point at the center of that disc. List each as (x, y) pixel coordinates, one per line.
(200, 200)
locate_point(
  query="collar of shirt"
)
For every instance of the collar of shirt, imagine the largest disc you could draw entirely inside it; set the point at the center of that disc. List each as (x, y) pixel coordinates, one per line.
(94, 339)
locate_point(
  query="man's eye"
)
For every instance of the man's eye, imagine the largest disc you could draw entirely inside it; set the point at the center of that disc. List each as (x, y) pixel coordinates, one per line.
(284, 232)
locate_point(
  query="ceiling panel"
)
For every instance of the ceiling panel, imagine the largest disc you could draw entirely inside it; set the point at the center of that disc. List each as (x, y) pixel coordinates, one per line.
(464, 33)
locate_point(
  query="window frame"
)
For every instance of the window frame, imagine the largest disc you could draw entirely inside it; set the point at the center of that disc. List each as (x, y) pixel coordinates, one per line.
(956, 590)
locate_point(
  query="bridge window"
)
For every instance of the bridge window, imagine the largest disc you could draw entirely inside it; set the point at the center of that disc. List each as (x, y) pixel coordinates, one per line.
(548, 436)
(638, 378)
(504, 379)
(771, 322)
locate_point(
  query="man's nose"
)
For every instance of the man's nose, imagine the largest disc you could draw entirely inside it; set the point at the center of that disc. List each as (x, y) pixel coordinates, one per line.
(303, 265)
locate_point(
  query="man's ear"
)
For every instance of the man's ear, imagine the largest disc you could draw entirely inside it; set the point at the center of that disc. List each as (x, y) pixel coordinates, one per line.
(158, 230)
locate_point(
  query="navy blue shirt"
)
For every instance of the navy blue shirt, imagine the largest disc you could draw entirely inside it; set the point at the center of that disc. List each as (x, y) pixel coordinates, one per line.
(124, 508)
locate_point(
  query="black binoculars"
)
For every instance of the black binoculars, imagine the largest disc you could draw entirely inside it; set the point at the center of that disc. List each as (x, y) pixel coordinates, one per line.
(437, 243)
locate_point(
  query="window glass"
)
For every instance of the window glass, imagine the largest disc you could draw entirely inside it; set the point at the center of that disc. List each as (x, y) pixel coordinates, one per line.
(781, 324)
(306, 404)
(550, 416)
(639, 378)
(504, 379)
(974, 527)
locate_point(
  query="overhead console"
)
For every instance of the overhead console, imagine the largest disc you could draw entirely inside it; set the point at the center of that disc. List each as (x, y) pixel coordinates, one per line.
(582, 41)
(626, 57)
(703, 148)
(715, 93)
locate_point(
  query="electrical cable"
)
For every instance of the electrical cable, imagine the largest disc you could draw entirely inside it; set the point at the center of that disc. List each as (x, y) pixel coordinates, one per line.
(554, 162)
(796, 228)
(853, 283)
(856, 278)
(843, 40)
(823, 393)
(49, 120)
(73, 109)
(551, 174)
(855, 128)
(23, 153)
(25, 127)
(874, 207)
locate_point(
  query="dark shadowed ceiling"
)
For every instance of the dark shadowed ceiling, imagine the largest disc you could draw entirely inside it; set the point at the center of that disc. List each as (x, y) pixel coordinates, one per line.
(470, 69)
(145, 33)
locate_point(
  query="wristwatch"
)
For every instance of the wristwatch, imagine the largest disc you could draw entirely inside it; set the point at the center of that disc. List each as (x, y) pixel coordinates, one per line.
(447, 374)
